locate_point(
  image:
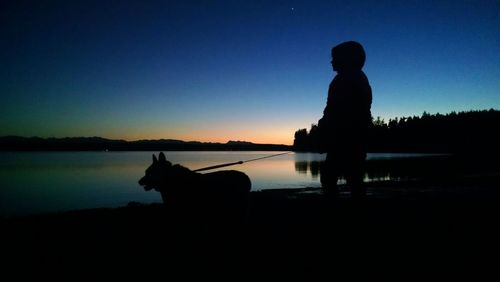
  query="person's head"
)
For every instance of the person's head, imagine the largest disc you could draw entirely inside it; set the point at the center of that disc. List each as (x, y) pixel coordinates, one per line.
(348, 56)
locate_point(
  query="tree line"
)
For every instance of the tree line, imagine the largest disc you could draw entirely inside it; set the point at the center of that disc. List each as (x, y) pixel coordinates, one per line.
(469, 132)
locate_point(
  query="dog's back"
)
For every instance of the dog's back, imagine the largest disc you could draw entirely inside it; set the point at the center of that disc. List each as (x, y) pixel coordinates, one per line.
(225, 193)
(216, 196)
(221, 195)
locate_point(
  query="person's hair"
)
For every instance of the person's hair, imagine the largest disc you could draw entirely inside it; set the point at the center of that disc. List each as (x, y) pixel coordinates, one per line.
(349, 55)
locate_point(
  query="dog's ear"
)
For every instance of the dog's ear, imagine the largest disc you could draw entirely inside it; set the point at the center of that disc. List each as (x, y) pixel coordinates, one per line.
(162, 158)
(154, 159)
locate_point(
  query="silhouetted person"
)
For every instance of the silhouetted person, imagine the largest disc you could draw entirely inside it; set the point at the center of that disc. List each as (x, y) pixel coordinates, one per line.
(346, 120)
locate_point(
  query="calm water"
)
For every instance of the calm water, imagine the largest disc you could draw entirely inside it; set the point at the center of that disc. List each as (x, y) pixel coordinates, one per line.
(57, 181)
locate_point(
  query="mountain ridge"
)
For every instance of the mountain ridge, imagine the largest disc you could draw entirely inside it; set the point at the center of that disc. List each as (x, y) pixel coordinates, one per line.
(96, 143)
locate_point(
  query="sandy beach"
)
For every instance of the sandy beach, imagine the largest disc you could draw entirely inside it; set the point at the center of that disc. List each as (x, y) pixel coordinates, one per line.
(401, 229)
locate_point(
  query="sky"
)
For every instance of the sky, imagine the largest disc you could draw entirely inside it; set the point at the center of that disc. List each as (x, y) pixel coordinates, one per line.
(216, 71)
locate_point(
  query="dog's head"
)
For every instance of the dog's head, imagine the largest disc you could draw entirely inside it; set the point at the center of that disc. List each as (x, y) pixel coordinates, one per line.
(156, 174)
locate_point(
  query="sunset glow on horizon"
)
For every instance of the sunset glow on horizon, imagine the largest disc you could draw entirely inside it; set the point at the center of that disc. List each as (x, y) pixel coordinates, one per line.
(215, 71)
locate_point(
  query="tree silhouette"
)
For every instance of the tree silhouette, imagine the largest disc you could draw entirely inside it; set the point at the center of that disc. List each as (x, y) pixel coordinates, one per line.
(463, 132)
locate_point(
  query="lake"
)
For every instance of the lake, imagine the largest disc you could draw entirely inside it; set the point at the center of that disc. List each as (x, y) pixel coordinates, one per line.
(40, 182)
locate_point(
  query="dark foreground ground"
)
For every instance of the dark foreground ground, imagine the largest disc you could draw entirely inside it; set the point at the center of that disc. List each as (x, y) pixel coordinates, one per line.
(403, 230)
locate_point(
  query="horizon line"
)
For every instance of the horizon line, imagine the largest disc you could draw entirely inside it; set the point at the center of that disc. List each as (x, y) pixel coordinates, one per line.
(138, 140)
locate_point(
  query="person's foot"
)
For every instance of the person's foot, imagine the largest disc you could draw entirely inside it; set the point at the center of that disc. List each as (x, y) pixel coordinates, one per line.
(358, 193)
(331, 192)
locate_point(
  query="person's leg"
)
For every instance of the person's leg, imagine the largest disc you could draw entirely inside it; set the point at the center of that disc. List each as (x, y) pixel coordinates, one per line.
(329, 175)
(355, 181)
(355, 175)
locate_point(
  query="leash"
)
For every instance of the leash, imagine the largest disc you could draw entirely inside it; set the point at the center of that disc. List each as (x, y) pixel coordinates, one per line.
(240, 162)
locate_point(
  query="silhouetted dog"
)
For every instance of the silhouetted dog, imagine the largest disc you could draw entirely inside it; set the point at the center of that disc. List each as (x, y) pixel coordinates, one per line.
(217, 196)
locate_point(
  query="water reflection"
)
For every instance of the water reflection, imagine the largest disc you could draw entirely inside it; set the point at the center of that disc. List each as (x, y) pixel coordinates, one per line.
(303, 167)
(34, 182)
(309, 164)
(313, 168)
(379, 167)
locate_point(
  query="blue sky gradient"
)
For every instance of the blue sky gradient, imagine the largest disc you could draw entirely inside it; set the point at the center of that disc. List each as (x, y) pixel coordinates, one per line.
(233, 70)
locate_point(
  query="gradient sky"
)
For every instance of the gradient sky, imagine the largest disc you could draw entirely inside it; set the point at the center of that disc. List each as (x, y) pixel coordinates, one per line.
(233, 70)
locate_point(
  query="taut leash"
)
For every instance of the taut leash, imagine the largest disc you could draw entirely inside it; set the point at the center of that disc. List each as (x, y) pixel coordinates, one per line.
(240, 162)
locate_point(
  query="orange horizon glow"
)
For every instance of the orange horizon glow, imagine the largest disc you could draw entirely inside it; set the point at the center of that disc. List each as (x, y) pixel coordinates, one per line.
(255, 133)
(278, 140)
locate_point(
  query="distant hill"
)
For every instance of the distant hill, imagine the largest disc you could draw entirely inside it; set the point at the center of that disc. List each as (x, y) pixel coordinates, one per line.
(17, 143)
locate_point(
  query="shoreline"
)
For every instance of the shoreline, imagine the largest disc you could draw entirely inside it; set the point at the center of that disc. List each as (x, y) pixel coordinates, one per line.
(419, 226)
(472, 186)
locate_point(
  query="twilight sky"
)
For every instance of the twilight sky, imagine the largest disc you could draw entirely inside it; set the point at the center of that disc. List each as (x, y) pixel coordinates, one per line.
(233, 70)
